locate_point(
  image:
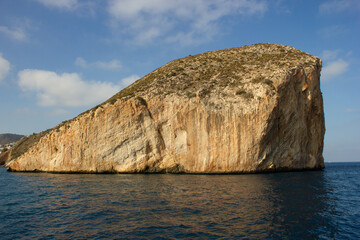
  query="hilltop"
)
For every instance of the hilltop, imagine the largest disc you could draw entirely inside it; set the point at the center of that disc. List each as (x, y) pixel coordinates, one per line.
(246, 109)
(7, 138)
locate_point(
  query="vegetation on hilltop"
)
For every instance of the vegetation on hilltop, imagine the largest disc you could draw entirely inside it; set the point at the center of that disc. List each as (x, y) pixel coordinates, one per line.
(222, 68)
(7, 138)
(21, 147)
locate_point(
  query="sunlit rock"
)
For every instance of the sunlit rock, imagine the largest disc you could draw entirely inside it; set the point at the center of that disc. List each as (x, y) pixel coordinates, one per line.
(250, 109)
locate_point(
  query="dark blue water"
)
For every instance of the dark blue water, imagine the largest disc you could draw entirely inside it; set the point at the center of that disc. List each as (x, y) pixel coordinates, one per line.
(299, 205)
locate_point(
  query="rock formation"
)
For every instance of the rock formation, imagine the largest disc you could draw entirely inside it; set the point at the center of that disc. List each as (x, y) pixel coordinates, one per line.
(250, 109)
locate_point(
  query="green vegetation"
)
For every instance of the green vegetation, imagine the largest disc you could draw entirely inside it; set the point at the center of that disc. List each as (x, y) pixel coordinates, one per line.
(244, 94)
(258, 79)
(142, 101)
(268, 82)
(261, 79)
(190, 94)
(249, 95)
(227, 67)
(25, 143)
(7, 138)
(240, 92)
(112, 101)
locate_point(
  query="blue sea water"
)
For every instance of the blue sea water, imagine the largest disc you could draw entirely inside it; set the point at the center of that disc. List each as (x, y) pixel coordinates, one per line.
(295, 205)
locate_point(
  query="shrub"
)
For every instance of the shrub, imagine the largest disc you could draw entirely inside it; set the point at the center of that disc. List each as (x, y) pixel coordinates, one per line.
(142, 101)
(244, 94)
(234, 84)
(248, 95)
(258, 79)
(112, 101)
(240, 92)
(204, 92)
(268, 82)
(190, 94)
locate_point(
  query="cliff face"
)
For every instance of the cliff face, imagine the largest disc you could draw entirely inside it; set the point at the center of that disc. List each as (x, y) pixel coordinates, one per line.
(250, 109)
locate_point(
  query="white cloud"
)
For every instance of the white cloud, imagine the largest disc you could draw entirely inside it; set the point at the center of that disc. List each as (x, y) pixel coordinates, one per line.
(62, 4)
(111, 65)
(4, 67)
(333, 31)
(334, 69)
(327, 55)
(337, 6)
(283, 6)
(19, 29)
(67, 89)
(145, 21)
(81, 62)
(129, 80)
(17, 33)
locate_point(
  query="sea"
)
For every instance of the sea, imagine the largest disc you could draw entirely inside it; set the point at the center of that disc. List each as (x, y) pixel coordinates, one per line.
(288, 205)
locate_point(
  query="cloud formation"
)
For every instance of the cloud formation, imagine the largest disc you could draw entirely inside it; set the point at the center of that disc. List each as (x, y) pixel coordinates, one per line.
(111, 65)
(333, 31)
(67, 89)
(185, 22)
(337, 6)
(4, 68)
(327, 55)
(129, 80)
(61, 4)
(334, 69)
(17, 33)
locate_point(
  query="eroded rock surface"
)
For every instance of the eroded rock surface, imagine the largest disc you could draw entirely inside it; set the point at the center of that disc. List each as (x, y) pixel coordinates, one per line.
(250, 109)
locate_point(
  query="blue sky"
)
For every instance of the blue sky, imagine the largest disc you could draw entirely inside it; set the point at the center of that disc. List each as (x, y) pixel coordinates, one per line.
(60, 58)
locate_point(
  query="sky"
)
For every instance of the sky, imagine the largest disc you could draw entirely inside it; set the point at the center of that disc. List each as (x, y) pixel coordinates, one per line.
(59, 58)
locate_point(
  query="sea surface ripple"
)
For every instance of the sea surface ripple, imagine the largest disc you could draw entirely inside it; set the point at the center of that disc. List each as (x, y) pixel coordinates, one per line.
(295, 205)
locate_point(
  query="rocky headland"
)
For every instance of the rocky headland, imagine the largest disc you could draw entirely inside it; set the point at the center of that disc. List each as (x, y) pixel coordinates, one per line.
(255, 108)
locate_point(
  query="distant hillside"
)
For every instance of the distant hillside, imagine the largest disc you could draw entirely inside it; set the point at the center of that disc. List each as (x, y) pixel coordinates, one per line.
(9, 138)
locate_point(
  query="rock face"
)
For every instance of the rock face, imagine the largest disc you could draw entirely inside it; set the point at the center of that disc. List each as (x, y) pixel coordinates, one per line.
(251, 109)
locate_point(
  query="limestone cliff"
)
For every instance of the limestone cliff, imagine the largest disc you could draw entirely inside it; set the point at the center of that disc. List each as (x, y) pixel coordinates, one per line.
(249, 109)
